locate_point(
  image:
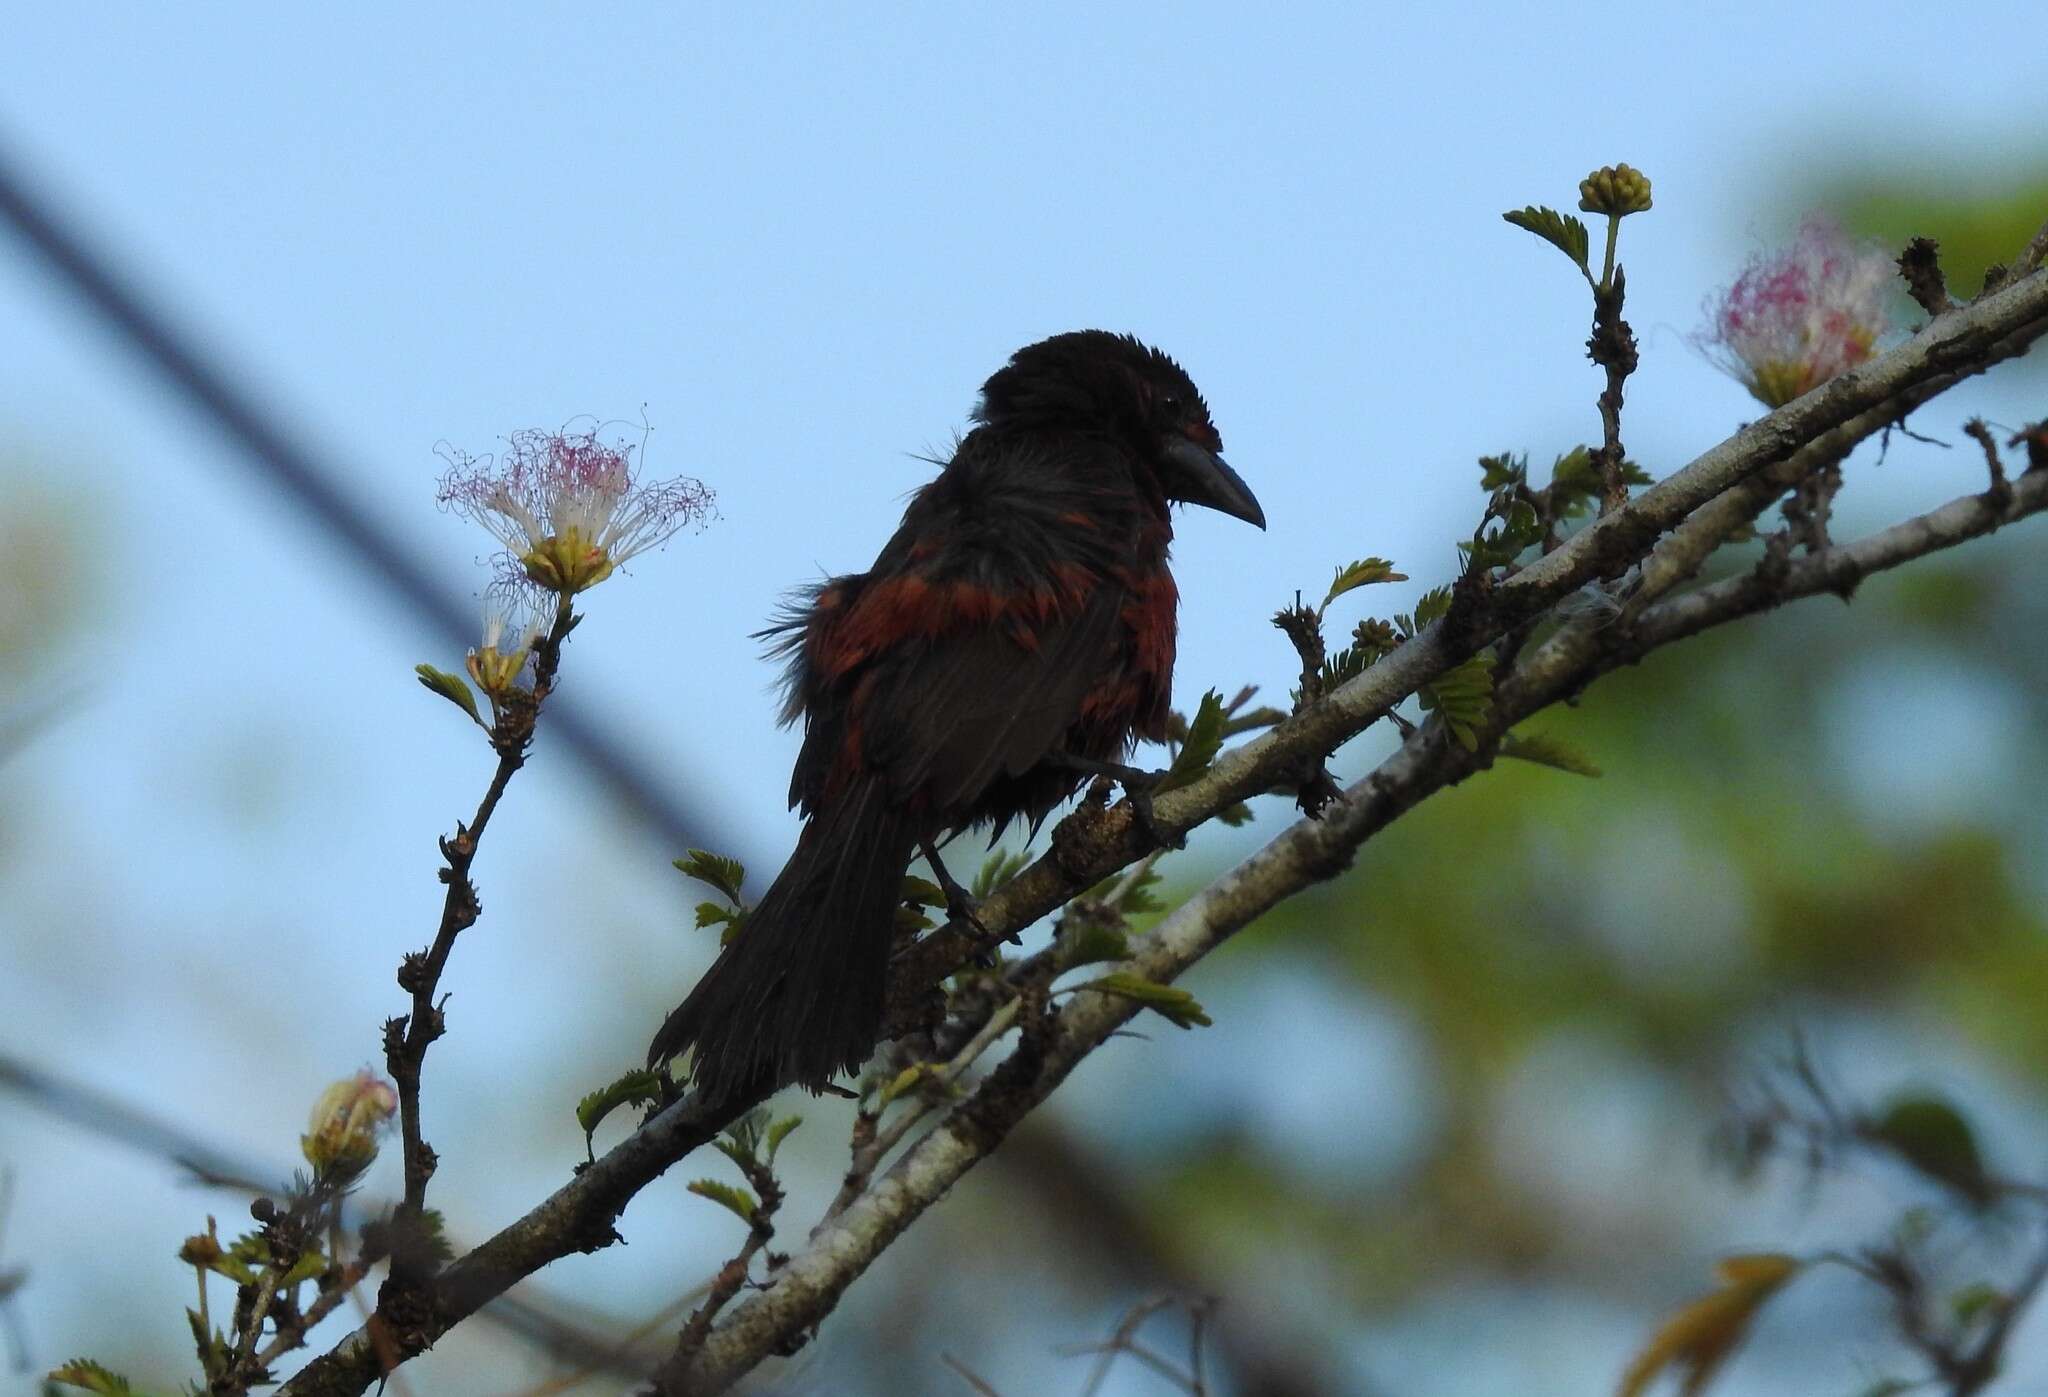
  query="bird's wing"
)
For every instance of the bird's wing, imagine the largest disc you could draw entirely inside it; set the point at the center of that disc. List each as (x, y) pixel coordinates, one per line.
(985, 701)
(970, 649)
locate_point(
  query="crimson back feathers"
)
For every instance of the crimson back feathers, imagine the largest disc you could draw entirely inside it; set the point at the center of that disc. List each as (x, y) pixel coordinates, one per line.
(1017, 628)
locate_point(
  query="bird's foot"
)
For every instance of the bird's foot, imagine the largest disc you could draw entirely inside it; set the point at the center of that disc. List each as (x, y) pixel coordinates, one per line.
(1138, 785)
(1140, 797)
(963, 908)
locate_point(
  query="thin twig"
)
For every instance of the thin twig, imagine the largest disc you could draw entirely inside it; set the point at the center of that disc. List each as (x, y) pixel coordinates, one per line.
(407, 1039)
(1119, 1340)
(969, 1376)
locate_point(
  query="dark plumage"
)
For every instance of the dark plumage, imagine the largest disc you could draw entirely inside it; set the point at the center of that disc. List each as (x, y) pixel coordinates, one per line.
(1022, 615)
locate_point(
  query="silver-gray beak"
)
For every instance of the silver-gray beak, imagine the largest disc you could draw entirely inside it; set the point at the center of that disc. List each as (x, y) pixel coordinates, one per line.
(1202, 477)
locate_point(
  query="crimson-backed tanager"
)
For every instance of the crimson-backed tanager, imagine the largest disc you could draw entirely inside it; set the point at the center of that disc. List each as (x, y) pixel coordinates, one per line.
(1015, 635)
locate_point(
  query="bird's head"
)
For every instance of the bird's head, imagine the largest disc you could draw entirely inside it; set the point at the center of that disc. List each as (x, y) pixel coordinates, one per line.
(1096, 381)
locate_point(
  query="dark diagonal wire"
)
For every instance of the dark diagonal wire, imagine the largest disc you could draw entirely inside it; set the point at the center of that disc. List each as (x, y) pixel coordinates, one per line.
(311, 481)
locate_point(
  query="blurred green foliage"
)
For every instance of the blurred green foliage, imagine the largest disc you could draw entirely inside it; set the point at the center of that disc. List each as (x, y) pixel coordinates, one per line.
(1726, 884)
(1979, 222)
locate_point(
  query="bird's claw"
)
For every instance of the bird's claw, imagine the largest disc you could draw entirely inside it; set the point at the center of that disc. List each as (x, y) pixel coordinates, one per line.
(964, 909)
(1138, 786)
(1139, 795)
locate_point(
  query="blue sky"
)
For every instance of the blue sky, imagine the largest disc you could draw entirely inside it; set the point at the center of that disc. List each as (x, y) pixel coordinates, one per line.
(797, 238)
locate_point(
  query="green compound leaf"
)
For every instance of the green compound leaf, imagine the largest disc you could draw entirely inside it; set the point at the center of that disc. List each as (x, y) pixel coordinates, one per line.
(1462, 697)
(1000, 868)
(1545, 750)
(1562, 231)
(1204, 741)
(715, 871)
(1095, 943)
(93, 1377)
(640, 1087)
(1501, 545)
(452, 687)
(1362, 573)
(922, 892)
(1504, 469)
(728, 1196)
(1170, 1002)
(778, 1132)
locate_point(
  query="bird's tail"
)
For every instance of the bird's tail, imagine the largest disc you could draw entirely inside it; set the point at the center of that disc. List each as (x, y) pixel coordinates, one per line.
(797, 996)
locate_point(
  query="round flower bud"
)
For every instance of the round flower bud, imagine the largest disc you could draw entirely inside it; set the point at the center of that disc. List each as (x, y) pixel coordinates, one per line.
(1617, 190)
(342, 1132)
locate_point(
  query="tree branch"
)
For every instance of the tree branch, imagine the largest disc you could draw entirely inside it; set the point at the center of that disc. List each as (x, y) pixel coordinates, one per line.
(805, 1291)
(1094, 843)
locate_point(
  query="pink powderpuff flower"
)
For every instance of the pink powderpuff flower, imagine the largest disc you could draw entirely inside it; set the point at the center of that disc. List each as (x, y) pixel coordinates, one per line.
(567, 506)
(1798, 316)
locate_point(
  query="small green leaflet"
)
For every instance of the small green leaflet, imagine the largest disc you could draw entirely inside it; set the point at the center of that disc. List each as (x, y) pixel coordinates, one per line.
(1463, 697)
(1575, 481)
(1001, 867)
(922, 892)
(1433, 605)
(1138, 900)
(430, 1236)
(910, 921)
(1204, 741)
(1170, 1002)
(1545, 750)
(902, 1082)
(779, 1132)
(212, 1345)
(1095, 943)
(451, 687)
(743, 1137)
(83, 1372)
(1562, 231)
(1362, 573)
(1932, 1136)
(1504, 469)
(740, 1202)
(640, 1087)
(1980, 1297)
(731, 918)
(1519, 528)
(716, 871)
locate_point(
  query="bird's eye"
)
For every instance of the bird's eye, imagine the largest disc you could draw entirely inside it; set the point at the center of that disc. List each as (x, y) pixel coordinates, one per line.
(1169, 403)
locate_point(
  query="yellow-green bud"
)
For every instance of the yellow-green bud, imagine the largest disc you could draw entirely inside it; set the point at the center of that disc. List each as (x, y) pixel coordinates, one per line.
(1617, 190)
(494, 671)
(202, 1248)
(342, 1132)
(567, 562)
